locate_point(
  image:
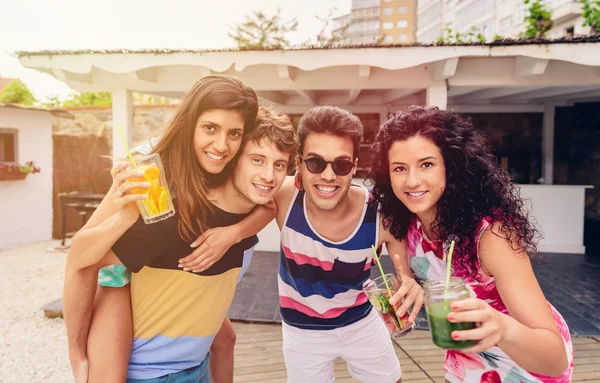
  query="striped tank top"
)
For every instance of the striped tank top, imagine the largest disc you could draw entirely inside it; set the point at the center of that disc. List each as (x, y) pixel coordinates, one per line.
(320, 282)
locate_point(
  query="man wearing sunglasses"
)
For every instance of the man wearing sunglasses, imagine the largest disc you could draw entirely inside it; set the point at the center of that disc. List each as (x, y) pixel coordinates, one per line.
(327, 230)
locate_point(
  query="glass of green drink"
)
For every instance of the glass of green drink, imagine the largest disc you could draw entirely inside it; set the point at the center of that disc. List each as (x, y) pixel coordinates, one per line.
(377, 293)
(437, 305)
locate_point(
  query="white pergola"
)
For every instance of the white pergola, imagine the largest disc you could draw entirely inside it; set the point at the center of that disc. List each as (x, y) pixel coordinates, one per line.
(495, 78)
(499, 77)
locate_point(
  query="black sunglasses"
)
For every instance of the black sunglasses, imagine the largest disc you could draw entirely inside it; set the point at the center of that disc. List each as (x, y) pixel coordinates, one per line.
(317, 165)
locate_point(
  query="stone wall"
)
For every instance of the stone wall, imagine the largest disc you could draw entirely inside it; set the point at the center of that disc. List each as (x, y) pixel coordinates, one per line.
(148, 121)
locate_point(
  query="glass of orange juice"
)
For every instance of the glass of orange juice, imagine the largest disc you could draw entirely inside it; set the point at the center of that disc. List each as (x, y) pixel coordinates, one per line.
(159, 204)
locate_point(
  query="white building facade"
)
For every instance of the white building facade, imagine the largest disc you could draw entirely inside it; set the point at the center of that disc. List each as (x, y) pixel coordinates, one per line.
(492, 17)
(362, 24)
(26, 205)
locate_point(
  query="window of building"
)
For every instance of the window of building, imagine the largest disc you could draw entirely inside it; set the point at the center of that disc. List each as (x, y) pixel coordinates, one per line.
(522, 12)
(570, 32)
(428, 16)
(8, 145)
(388, 25)
(402, 37)
(402, 24)
(487, 30)
(388, 11)
(402, 10)
(388, 39)
(506, 23)
(470, 14)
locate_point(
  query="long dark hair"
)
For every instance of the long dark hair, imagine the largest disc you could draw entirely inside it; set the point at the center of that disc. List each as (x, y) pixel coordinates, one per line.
(176, 148)
(476, 187)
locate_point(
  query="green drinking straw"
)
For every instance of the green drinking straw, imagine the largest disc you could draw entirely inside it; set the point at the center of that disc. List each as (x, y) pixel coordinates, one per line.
(387, 286)
(449, 267)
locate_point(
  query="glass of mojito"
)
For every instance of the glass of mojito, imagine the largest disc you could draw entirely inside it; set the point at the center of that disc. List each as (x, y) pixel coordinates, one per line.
(378, 295)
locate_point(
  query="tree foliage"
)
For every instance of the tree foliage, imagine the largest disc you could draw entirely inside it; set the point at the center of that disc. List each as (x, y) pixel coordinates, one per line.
(326, 36)
(591, 15)
(17, 93)
(539, 19)
(261, 31)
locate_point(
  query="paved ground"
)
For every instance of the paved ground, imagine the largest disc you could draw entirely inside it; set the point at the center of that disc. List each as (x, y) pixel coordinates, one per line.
(570, 282)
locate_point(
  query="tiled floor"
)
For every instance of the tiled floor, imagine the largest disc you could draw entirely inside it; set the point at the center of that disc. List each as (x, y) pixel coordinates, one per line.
(570, 282)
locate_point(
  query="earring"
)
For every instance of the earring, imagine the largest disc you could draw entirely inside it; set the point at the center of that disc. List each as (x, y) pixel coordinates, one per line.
(298, 181)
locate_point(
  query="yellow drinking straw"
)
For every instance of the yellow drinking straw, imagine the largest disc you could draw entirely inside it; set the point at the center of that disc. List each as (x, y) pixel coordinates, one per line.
(449, 267)
(127, 148)
(148, 204)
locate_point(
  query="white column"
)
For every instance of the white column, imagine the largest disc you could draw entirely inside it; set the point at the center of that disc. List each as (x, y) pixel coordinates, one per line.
(122, 108)
(548, 144)
(437, 95)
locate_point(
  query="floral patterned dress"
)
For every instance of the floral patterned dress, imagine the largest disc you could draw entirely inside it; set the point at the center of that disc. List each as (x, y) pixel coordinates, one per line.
(427, 261)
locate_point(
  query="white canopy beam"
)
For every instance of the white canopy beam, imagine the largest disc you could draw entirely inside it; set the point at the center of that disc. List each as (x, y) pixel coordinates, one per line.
(285, 72)
(308, 95)
(364, 71)
(353, 95)
(67, 76)
(396, 94)
(486, 95)
(527, 67)
(542, 93)
(571, 95)
(445, 69)
(148, 75)
(272, 96)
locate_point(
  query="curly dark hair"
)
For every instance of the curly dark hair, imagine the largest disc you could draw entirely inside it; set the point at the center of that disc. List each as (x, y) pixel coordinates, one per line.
(476, 187)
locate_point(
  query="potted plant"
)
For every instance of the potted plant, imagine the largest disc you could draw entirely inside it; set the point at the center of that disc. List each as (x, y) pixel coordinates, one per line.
(10, 172)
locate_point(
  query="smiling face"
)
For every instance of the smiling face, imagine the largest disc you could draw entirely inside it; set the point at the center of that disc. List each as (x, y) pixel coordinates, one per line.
(217, 138)
(326, 189)
(417, 175)
(260, 171)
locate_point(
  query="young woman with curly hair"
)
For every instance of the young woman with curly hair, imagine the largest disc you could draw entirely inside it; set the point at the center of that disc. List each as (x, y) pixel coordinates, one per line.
(437, 181)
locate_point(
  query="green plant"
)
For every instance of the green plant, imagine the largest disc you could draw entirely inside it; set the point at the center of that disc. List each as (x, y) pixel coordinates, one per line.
(261, 31)
(17, 93)
(81, 99)
(538, 20)
(452, 36)
(591, 15)
(29, 167)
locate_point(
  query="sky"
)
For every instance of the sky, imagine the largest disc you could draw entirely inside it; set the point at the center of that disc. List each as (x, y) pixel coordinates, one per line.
(31, 25)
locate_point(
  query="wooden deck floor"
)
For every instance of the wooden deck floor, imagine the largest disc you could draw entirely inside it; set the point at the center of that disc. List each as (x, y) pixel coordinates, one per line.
(258, 357)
